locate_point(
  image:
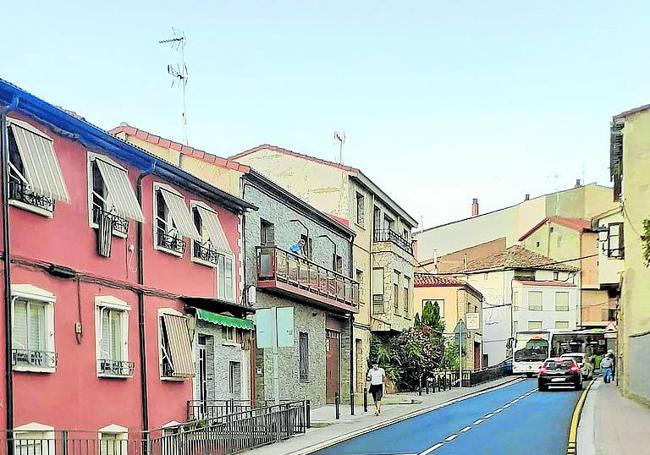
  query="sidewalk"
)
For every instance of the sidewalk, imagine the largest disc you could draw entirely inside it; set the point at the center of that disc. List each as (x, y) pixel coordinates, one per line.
(612, 424)
(325, 428)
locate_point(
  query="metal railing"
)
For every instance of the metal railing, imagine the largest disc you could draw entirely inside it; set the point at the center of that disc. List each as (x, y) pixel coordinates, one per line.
(212, 409)
(170, 242)
(227, 434)
(205, 253)
(120, 224)
(40, 359)
(19, 191)
(117, 368)
(387, 235)
(274, 263)
(472, 378)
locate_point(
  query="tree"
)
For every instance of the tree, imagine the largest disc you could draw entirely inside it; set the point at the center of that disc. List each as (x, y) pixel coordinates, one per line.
(431, 318)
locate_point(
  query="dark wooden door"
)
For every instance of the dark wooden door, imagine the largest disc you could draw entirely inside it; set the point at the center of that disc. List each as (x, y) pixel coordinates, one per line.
(332, 363)
(477, 356)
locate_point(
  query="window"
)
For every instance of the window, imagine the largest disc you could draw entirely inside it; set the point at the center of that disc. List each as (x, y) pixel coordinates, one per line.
(515, 301)
(389, 223)
(309, 245)
(535, 300)
(407, 284)
(175, 345)
(361, 210)
(615, 242)
(439, 302)
(172, 221)
(35, 177)
(213, 240)
(267, 233)
(113, 440)
(377, 291)
(561, 301)
(111, 198)
(561, 324)
(33, 329)
(112, 334)
(229, 334)
(303, 351)
(376, 218)
(396, 290)
(226, 278)
(534, 325)
(234, 382)
(34, 438)
(405, 234)
(338, 264)
(359, 279)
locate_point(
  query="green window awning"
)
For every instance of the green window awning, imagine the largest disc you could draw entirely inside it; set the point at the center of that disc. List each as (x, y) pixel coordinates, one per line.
(221, 319)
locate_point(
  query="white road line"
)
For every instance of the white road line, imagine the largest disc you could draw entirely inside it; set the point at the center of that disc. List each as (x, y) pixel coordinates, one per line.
(506, 406)
(478, 422)
(465, 429)
(451, 437)
(496, 411)
(487, 416)
(431, 449)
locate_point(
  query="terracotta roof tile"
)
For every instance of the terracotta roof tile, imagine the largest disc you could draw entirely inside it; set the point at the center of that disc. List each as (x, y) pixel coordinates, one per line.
(443, 281)
(515, 257)
(577, 224)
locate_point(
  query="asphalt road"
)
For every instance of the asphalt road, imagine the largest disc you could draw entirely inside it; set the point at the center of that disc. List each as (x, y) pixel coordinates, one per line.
(513, 420)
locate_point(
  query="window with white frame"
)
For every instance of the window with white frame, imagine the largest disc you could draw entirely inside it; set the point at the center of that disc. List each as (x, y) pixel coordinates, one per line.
(226, 278)
(33, 329)
(378, 290)
(561, 324)
(534, 325)
(176, 360)
(229, 334)
(535, 300)
(561, 301)
(34, 438)
(113, 440)
(615, 241)
(516, 301)
(213, 241)
(172, 220)
(112, 334)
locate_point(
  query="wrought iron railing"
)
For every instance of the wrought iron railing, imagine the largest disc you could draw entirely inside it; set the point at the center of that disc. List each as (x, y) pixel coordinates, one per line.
(117, 368)
(170, 242)
(40, 359)
(205, 252)
(274, 263)
(388, 235)
(212, 409)
(19, 191)
(120, 224)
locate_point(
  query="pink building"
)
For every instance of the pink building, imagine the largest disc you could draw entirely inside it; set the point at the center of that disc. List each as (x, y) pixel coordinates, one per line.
(108, 246)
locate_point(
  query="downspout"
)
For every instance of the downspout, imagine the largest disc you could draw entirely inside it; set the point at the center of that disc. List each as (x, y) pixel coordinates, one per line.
(141, 332)
(352, 339)
(6, 241)
(244, 260)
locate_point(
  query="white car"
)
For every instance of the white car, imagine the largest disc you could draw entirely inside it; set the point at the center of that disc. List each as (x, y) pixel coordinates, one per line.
(586, 368)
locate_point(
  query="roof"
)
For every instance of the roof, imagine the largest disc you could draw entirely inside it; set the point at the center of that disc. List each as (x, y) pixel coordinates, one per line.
(233, 165)
(635, 110)
(577, 224)
(515, 257)
(354, 172)
(177, 146)
(422, 280)
(553, 283)
(75, 127)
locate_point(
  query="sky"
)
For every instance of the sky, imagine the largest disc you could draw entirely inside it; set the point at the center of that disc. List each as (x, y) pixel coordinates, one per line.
(440, 102)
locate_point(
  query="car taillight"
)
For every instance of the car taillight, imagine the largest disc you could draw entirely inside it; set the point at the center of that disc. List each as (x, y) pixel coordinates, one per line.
(542, 371)
(574, 369)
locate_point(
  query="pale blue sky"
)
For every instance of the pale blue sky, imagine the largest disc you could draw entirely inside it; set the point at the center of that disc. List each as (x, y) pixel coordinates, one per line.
(440, 101)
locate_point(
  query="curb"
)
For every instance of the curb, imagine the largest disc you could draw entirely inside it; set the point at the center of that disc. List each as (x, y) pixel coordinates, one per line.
(575, 420)
(362, 431)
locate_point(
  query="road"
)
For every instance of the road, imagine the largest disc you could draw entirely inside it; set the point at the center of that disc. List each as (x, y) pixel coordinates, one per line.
(512, 420)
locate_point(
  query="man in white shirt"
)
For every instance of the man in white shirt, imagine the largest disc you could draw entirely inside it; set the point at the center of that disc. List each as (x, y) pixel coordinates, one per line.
(376, 378)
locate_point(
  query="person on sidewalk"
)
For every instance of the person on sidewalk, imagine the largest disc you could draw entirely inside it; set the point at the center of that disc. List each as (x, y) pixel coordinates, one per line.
(606, 365)
(376, 377)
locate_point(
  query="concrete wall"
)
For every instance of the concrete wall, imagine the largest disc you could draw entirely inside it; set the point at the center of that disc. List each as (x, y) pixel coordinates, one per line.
(609, 269)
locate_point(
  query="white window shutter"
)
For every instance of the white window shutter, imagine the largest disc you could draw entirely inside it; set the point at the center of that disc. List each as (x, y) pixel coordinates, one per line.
(20, 325)
(106, 335)
(36, 327)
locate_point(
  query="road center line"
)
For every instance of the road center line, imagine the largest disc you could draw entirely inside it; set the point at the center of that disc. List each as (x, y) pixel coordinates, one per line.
(465, 429)
(432, 448)
(451, 437)
(478, 422)
(487, 416)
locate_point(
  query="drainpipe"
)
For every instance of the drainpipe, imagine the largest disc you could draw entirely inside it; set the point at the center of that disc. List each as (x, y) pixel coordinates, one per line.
(243, 257)
(352, 339)
(6, 241)
(141, 332)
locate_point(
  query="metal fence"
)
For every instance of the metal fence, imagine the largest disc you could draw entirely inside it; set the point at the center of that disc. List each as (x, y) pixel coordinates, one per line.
(212, 409)
(226, 434)
(472, 378)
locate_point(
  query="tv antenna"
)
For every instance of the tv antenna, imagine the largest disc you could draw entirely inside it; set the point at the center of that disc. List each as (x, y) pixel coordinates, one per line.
(178, 71)
(339, 136)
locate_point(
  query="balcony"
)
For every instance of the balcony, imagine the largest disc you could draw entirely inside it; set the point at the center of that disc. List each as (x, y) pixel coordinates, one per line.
(205, 253)
(115, 368)
(387, 235)
(37, 359)
(120, 225)
(19, 191)
(292, 275)
(170, 242)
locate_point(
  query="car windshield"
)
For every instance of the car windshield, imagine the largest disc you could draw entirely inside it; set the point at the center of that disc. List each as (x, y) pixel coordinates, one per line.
(577, 357)
(561, 365)
(531, 347)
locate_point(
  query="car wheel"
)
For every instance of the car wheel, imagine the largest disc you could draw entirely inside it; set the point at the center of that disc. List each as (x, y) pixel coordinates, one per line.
(529, 375)
(579, 386)
(542, 388)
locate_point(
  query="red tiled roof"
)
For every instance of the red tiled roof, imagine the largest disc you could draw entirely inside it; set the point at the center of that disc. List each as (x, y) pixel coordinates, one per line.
(339, 219)
(182, 148)
(443, 281)
(515, 257)
(561, 284)
(577, 224)
(275, 148)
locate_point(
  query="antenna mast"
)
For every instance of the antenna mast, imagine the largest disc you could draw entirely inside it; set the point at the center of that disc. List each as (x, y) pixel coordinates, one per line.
(178, 72)
(339, 136)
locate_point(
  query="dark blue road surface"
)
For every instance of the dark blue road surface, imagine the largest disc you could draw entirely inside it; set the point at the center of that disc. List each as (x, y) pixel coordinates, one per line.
(512, 420)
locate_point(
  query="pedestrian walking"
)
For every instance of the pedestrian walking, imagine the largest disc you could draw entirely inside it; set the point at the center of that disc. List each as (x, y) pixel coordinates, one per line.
(376, 377)
(606, 366)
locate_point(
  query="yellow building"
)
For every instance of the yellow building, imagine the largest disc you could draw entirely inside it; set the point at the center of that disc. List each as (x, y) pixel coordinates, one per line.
(630, 169)
(383, 255)
(454, 298)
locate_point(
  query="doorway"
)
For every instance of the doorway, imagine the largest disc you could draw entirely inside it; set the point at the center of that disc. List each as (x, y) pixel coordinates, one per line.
(332, 364)
(477, 356)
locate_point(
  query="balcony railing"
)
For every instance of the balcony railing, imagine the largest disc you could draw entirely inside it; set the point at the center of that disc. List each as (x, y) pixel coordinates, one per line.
(40, 359)
(306, 277)
(205, 253)
(170, 242)
(387, 235)
(19, 191)
(117, 368)
(120, 224)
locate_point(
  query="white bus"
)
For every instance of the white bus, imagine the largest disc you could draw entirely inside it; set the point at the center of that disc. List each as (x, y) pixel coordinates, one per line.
(532, 347)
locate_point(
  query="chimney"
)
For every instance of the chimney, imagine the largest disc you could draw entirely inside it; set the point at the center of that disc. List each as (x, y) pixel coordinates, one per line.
(475, 207)
(578, 183)
(527, 197)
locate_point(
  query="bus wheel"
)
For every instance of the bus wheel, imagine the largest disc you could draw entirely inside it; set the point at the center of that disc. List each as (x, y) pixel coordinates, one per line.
(529, 375)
